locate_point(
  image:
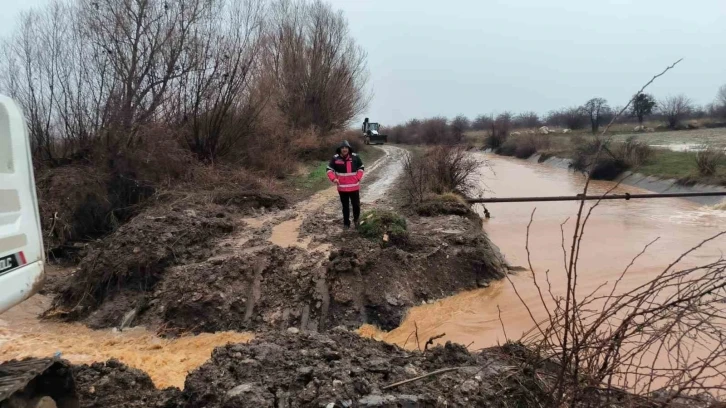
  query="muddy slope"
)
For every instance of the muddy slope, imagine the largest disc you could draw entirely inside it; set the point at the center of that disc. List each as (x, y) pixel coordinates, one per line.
(200, 266)
(275, 287)
(342, 370)
(120, 270)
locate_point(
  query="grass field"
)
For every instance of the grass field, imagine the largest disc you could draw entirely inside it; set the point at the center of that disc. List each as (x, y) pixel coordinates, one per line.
(671, 158)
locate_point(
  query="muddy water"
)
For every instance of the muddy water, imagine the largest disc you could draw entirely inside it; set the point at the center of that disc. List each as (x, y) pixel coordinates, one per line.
(616, 232)
(166, 361)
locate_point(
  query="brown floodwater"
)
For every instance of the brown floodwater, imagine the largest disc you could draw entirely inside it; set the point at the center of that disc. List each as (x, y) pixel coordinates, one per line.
(616, 232)
(167, 361)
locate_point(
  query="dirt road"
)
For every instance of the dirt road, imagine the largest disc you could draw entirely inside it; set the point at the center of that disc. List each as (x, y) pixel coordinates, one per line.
(22, 334)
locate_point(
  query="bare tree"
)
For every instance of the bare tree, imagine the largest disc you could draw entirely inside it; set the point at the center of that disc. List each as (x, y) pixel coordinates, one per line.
(146, 44)
(527, 120)
(721, 96)
(595, 108)
(459, 125)
(320, 71)
(481, 122)
(719, 106)
(675, 108)
(220, 101)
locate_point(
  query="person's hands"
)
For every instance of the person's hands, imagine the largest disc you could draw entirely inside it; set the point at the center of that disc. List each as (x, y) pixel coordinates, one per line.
(336, 181)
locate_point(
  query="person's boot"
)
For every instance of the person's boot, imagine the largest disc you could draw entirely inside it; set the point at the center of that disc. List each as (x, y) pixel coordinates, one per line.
(355, 224)
(346, 225)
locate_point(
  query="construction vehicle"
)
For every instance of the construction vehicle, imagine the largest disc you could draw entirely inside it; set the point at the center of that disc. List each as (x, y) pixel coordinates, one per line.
(33, 382)
(371, 133)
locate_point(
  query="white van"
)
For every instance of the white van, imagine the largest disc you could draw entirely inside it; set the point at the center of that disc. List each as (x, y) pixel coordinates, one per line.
(21, 246)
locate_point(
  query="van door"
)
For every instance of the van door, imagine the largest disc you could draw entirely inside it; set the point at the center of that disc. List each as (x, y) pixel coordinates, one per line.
(21, 246)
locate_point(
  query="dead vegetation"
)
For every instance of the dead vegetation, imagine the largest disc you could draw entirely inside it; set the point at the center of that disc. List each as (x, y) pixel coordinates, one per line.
(439, 170)
(709, 159)
(124, 99)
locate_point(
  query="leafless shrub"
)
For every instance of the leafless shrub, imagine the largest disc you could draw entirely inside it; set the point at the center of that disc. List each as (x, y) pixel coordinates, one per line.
(572, 118)
(527, 120)
(675, 109)
(524, 146)
(498, 131)
(482, 122)
(458, 126)
(440, 170)
(435, 131)
(633, 152)
(708, 159)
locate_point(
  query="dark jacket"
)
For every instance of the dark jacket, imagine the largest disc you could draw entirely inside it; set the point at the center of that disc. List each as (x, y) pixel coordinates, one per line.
(348, 170)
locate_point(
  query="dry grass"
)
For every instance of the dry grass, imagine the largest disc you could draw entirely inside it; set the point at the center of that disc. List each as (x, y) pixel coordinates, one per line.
(708, 160)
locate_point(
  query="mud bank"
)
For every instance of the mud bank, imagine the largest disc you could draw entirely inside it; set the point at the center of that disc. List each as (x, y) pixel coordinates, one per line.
(209, 266)
(263, 285)
(340, 369)
(117, 273)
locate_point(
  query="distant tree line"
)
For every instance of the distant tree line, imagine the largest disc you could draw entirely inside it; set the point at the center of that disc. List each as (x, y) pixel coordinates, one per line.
(672, 110)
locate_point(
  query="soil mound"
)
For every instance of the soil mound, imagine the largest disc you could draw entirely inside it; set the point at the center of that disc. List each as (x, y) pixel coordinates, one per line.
(341, 370)
(272, 287)
(129, 262)
(266, 286)
(112, 384)
(275, 287)
(379, 285)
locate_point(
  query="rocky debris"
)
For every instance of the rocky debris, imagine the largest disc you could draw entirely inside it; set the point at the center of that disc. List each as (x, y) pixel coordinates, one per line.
(113, 384)
(339, 370)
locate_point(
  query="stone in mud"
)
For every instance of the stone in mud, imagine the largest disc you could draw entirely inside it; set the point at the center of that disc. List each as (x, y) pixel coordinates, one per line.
(249, 395)
(377, 400)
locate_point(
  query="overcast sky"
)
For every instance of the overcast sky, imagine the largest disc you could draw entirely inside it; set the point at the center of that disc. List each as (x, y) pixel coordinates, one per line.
(434, 57)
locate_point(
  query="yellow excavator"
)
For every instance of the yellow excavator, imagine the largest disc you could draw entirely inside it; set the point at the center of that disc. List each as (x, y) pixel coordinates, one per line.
(33, 382)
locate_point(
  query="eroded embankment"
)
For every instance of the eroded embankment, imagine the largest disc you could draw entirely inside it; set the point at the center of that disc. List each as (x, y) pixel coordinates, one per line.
(197, 266)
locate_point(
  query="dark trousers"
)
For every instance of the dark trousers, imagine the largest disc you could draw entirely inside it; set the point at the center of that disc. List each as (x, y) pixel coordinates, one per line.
(352, 198)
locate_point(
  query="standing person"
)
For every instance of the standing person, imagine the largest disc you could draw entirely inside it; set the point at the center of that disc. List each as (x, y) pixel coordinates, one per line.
(346, 170)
